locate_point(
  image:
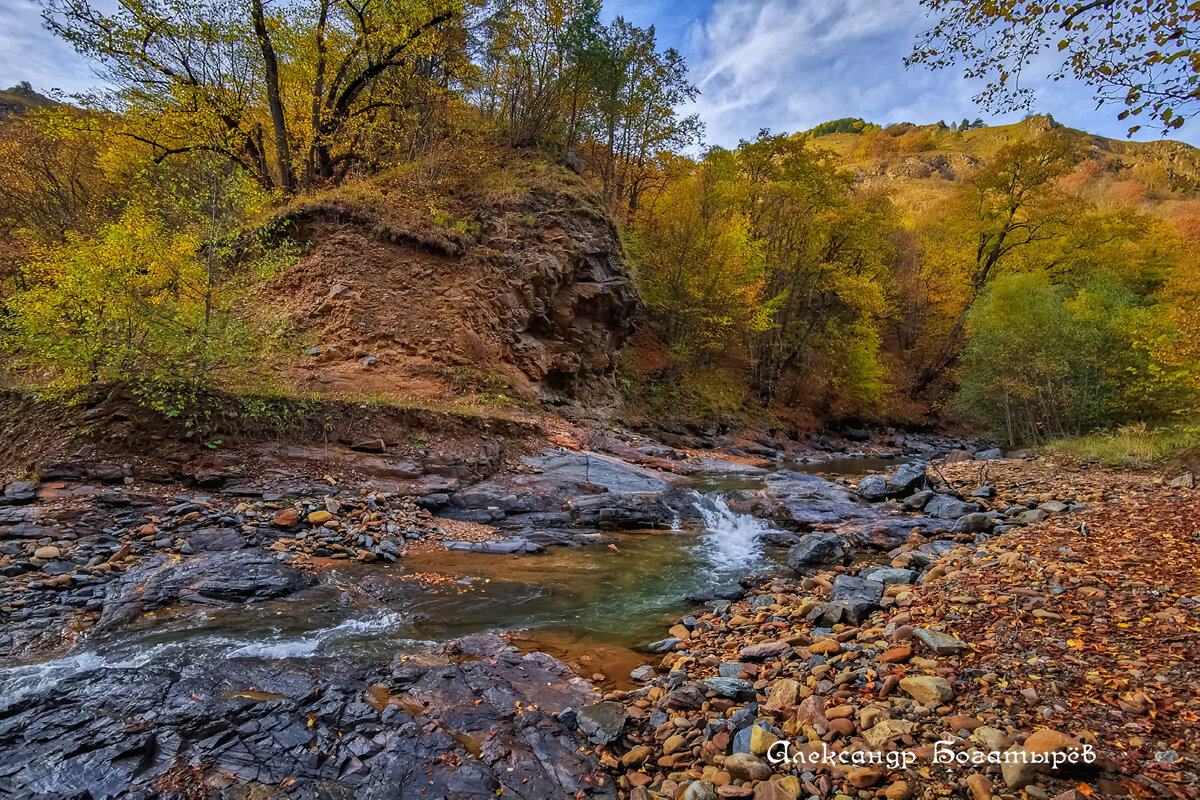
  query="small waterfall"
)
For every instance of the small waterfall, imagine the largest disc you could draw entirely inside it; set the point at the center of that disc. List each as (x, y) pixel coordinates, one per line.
(731, 541)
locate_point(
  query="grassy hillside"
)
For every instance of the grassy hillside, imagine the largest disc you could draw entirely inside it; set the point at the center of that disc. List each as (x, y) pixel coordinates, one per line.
(920, 164)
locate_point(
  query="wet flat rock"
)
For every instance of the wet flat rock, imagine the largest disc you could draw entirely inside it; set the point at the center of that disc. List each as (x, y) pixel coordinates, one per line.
(482, 728)
(806, 500)
(217, 577)
(569, 489)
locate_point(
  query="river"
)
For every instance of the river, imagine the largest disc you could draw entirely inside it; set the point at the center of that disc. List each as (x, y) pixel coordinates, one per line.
(590, 606)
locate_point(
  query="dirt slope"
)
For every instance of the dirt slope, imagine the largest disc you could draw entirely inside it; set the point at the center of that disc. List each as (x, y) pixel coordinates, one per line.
(515, 298)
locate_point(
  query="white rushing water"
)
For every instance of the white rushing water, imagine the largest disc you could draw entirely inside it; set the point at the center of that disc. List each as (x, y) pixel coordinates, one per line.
(182, 649)
(732, 540)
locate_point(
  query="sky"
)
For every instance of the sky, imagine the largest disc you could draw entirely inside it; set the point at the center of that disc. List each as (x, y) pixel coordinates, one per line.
(787, 65)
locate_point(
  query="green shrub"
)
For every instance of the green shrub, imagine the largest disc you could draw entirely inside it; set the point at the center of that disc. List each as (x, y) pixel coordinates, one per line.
(138, 306)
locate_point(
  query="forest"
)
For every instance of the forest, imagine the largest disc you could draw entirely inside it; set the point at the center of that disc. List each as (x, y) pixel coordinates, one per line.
(514, 400)
(1037, 285)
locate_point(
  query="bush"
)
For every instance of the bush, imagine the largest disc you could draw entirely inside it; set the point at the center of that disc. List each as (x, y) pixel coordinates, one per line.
(137, 306)
(1049, 361)
(1134, 445)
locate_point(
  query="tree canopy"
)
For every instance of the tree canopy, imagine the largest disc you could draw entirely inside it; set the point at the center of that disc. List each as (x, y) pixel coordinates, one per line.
(1140, 54)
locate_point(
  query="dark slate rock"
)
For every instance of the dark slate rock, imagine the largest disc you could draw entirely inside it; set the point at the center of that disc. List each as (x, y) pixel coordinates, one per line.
(123, 732)
(807, 500)
(851, 601)
(947, 507)
(889, 575)
(239, 577)
(816, 551)
(733, 688)
(873, 488)
(601, 723)
(214, 540)
(975, 522)
(496, 547)
(908, 478)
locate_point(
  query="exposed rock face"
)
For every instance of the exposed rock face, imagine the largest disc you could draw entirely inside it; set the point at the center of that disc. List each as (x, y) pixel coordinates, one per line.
(802, 501)
(306, 730)
(570, 490)
(534, 290)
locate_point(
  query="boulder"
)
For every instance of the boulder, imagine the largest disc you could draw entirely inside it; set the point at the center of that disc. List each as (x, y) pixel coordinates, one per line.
(889, 576)
(852, 601)
(733, 688)
(747, 767)
(886, 532)
(218, 577)
(889, 730)
(872, 488)
(784, 695)
(816, 551)
(765, 650)
(698, 790)
(601, 723)
(908, 478)
(1021, 770)
(643, 673)
(801, 500)
(928, 690)
(496, 547)
(943, 644)
(976, 522)
(917, 501)
(947, 507)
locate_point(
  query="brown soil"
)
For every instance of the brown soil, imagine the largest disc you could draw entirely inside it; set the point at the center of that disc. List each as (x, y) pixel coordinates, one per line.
(512, 297)
(312, 438)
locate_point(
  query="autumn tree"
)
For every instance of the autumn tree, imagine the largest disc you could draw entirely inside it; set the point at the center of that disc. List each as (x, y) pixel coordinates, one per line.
(699, 270)
(287, 91)
(769, 253)
(824, 247)
(539, 65)
(1010, 205)
(1048, 359)
(150, 301)
(634, 121)
(1140, 54)
(553, 74)
(50, 182)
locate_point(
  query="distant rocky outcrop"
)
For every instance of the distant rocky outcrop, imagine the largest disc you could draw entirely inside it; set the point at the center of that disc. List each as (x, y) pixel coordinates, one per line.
(17, 100)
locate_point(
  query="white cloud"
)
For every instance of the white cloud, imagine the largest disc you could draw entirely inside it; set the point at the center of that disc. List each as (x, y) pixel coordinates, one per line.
(28, 52)
(792, 64)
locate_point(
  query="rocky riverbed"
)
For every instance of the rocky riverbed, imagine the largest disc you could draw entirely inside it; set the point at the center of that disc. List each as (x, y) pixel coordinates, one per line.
(284, 641)
(1067, 624)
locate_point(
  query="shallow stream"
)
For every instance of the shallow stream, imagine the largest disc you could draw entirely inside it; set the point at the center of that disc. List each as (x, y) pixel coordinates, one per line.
(589, 606)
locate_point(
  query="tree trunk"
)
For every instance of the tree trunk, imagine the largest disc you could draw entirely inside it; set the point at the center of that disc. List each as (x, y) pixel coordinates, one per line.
(287, 176)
